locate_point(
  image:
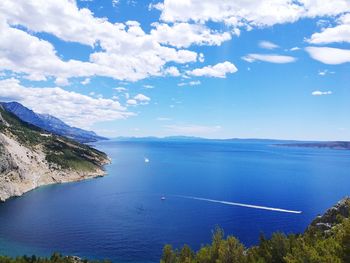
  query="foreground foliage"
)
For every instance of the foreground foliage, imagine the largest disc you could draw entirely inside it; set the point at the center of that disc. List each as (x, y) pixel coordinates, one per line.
(316, 245)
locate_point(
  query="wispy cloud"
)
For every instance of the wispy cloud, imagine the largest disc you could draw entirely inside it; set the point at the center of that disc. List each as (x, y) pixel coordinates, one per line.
(163, 119)
(329, 55)
(267, 45)
(120, 89)
(271, 58)
(190, 83)
(321, 93)
(325, 72)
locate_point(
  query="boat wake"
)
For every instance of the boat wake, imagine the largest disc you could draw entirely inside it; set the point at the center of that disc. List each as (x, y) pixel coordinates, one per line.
(240, 204)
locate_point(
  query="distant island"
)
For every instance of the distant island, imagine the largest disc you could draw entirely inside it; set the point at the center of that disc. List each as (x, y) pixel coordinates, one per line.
(31, 157)
(337, 145)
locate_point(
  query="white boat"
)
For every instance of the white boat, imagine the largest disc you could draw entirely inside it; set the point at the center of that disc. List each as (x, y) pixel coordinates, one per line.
(162, 198)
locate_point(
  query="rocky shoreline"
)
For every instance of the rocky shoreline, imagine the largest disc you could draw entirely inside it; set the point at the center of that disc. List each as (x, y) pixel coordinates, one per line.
(23, 169)
(31, 157)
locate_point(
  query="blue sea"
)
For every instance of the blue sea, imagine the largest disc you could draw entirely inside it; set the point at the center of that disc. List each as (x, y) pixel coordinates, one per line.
(121, 216)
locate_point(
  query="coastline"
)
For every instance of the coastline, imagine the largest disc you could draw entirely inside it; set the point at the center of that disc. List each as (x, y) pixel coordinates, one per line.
(24, 169)
(65, 176)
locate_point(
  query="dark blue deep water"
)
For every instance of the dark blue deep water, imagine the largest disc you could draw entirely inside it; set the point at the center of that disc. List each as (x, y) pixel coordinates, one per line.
(121, 217)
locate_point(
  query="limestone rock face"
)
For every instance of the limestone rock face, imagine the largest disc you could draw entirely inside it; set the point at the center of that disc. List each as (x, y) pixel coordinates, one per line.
(331, 217)
(31, 158)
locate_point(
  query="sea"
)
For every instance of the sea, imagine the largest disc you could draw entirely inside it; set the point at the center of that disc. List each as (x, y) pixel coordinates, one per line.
(176, 192)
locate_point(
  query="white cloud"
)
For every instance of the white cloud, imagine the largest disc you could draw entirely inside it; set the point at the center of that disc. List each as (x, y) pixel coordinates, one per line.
(201, 57)
(328, 55)
(190, 83)
(172, 71)
(267, 45)
(74, 108)
(131, 102)
(253, 13)
(125, 51)
(142, 98)
(321, 93)
(184, 35)
(85, 81)
(115, 3)
(219, 70)
(295, 49)
(192, 130)
(272, 58)
(62, 82)
(148, 86)
(339, 33)
(194, 83)
(24, 53)
(139, 99)
(325, 72)
(120, 89)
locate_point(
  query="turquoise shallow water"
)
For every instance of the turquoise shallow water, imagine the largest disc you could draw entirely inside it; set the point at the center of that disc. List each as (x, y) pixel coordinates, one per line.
(121, 216)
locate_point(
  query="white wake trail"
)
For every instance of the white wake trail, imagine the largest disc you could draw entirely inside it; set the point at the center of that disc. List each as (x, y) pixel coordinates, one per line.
(242, 205)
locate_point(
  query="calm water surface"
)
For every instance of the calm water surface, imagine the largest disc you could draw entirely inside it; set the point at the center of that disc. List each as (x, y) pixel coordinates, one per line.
(121, 217)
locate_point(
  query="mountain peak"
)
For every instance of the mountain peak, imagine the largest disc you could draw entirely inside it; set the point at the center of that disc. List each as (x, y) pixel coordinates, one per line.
(50, 123)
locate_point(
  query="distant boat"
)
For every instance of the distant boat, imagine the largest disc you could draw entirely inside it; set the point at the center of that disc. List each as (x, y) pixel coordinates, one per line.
(146, 160)
(162, 198)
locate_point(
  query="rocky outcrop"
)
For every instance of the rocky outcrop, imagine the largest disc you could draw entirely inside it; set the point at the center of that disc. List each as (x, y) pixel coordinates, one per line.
(332, 217)
(31, 158)
(23, 169)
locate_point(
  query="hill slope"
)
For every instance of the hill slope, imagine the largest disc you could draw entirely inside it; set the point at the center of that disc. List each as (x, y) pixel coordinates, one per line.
(31, 157)
(50, 123)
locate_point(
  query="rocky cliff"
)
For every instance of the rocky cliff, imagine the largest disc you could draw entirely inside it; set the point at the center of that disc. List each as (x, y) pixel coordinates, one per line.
(31, 157)
(331, 218)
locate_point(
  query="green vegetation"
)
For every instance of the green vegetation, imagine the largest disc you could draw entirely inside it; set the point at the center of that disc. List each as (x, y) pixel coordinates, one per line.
(55, 258)
(316, 245)
(61, 153)
(70, 155)
(25, 133)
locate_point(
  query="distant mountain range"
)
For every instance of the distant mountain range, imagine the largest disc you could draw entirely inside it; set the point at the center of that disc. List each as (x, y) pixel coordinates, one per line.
(337, 145)
(194, 138)
(50, 123)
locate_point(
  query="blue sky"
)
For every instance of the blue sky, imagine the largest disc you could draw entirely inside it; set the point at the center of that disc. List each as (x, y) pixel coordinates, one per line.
(217, 69)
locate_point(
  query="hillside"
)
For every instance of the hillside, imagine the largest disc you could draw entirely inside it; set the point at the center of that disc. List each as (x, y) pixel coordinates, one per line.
(50, 123)
(326, 240)
(31, 157)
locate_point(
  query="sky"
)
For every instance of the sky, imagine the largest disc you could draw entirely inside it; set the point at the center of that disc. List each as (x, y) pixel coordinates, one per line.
(216, 69)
